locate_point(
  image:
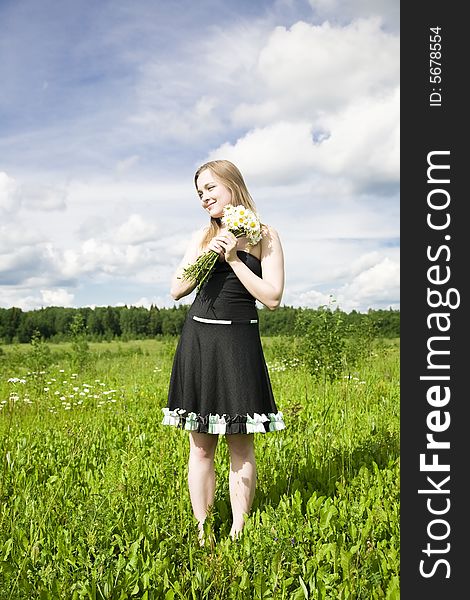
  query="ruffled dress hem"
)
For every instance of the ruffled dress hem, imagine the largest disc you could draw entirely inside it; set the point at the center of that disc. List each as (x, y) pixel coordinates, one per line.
(223, 424)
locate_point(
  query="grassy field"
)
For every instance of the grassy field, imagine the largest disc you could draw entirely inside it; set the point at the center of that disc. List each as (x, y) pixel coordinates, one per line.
(94, 501)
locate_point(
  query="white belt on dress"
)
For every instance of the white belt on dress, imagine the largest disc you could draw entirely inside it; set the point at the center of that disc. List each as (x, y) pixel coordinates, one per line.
(221, 321)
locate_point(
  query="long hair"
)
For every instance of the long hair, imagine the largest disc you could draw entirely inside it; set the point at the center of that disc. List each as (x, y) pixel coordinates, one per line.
(231, 177)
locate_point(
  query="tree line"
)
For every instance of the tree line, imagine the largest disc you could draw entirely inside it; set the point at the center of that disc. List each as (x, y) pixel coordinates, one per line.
(106, 323)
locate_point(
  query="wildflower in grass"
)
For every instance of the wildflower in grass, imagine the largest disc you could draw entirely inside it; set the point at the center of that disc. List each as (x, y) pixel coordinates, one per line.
(241, 222)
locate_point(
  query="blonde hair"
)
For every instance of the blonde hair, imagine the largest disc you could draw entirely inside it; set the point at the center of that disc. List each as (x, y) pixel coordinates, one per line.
(231, 177)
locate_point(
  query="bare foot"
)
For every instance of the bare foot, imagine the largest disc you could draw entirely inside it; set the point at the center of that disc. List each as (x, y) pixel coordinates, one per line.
(200, 535)
(235, 534)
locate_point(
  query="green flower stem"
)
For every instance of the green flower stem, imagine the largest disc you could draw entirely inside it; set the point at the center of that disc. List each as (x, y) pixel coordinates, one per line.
(200, 270)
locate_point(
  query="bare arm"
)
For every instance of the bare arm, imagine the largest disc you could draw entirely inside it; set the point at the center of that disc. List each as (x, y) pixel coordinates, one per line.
(269, 288)
(181, 287)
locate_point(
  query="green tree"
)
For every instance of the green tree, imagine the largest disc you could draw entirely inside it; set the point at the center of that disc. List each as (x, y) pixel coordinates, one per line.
(111, 322)
(155, 321)
(40, 357)
(9, 323)
(80, 349)
(322, 332)
(173, 319)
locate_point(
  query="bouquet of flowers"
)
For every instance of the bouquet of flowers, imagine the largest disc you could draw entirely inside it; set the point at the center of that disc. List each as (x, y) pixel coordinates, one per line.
(240, 221)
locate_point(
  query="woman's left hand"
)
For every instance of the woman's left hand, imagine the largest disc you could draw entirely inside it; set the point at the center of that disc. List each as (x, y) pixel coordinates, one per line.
(229, 243)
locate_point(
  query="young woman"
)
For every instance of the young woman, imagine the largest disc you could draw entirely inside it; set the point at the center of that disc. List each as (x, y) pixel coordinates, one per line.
(219, 382)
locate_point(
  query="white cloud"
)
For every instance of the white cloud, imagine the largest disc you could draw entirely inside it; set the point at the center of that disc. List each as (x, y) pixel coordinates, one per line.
(39, 197)
(32, 297)
(364, 141)
(188, 98)
(360, 144)
(313, 299)
(17, 298)
(309, 70)
(135, 230)
(8, 191)
(14, 235)
(126, 164)
(159, 301)
(365, 262)
(16, 195)
(356, 280)
(327, 105)
(277, 153)
(46, 250)
(57, 297)
(372, 286)
(177, 113)
(96, 257)
(17, 261)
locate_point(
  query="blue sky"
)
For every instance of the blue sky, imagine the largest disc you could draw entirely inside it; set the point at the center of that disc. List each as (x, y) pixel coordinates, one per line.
(107, 108)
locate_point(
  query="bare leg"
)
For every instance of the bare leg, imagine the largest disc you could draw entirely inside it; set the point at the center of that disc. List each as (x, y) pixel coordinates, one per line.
(201, 475)
(242, 478)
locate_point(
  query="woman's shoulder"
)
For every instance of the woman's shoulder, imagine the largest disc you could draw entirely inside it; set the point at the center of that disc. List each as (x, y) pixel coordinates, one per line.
(270, 242)
(268, 232)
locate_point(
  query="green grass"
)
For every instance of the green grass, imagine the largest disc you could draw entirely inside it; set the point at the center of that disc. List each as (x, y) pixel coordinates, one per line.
(94, 501)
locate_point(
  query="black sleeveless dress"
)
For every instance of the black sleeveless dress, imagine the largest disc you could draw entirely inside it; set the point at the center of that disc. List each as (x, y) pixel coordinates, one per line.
(219, 382)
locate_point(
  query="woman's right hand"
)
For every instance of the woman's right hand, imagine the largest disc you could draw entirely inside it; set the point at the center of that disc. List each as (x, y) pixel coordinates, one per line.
(216, 246)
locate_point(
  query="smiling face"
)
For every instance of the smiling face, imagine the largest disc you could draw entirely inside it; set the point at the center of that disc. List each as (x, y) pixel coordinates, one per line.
(214, 195)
